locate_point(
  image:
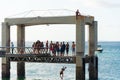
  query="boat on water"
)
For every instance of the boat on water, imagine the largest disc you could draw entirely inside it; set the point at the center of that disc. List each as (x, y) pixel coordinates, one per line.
(99, 48)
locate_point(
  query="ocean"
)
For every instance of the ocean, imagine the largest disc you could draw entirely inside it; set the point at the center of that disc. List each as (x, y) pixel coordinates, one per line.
(108, 66)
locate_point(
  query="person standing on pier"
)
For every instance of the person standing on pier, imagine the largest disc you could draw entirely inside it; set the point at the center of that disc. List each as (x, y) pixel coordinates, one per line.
(60, 46)
(73, 48)
(67, 48)
(47, 46)
(51, 47)
(63, 49)
(34, 47)
(57, 48)
(12, 47)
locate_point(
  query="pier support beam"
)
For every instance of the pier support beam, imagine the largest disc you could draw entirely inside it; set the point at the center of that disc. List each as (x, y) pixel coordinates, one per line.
(91, 40)
(80, 47)
(93, 68)
(5, 68)
(95, 24)
(21, 43)
(92, 47)
(5, 43)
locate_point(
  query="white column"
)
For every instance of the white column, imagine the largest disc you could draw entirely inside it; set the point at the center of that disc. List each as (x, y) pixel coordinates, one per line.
(92, 38)
(5, 35)
(20, 35)
(95, 24)
(5, 43)
(93, 72)
(80, 47)
(20, 43)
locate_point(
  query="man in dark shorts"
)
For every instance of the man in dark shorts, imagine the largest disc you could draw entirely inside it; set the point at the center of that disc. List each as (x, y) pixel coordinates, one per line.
(63, 49)
(61, 72)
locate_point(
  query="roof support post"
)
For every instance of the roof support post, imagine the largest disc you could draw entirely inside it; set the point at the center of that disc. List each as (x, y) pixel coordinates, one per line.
(92, 38)
(20, 43)
(95, 24)
(80, 47)
(5, 43)
(93, 70)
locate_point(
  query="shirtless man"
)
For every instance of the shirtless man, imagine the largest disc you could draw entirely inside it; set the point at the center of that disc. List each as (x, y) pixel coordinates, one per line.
(61, 72)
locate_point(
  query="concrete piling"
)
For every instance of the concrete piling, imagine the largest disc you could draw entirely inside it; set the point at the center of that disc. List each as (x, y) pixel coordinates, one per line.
(83, 63)
(21, 43)
(5, 68)
(5, 42)
(20, 70)
(93, 68)
(80, 47)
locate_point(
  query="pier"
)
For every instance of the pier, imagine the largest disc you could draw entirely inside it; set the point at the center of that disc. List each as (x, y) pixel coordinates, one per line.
(21, 57)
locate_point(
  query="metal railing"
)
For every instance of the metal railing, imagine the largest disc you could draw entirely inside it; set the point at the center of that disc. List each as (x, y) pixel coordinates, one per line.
(30, 54)
(25, 50)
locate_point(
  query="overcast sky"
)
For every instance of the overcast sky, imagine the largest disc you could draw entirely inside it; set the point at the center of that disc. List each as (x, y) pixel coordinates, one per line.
(106, 12)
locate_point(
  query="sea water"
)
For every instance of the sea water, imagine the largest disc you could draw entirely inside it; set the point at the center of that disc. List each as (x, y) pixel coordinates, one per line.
(108, 68)
(109, 61)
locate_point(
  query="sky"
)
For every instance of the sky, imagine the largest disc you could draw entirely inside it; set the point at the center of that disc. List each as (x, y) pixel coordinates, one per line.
(106, 12)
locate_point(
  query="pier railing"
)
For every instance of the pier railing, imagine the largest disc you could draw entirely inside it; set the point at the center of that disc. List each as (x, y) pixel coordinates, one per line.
(29, 54)
(25, 50)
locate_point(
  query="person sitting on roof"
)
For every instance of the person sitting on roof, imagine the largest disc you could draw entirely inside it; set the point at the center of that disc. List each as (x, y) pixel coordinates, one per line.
(77, 14)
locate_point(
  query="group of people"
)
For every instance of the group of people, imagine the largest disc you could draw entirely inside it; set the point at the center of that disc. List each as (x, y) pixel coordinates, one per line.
(59, 48)
(37, 46)
(55, 48)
